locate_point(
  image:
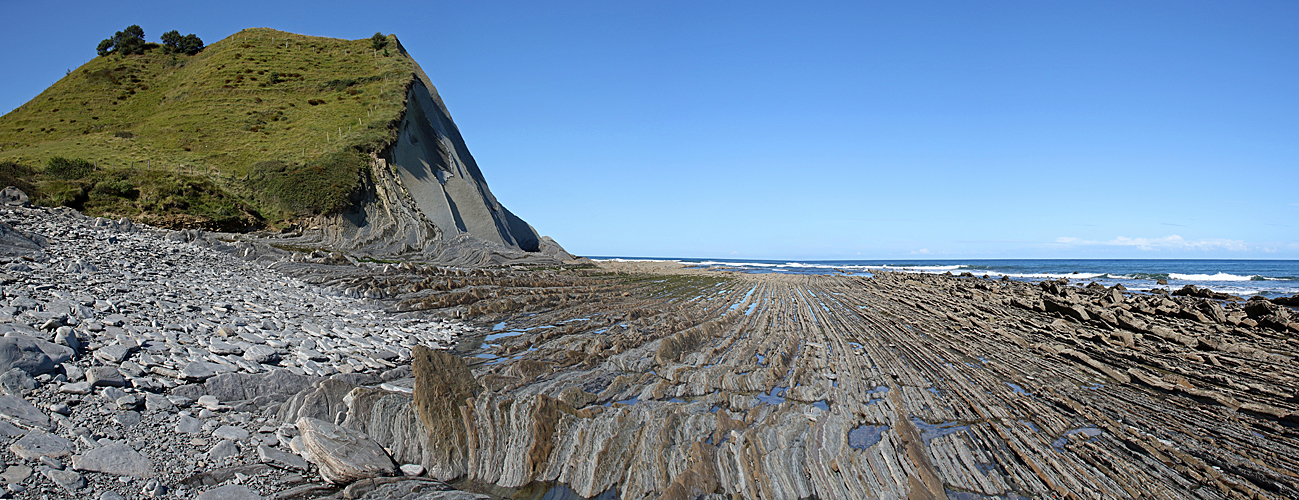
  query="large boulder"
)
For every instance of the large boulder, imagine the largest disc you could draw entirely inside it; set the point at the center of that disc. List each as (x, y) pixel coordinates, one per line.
(1066, 308)
(14, 197)
(14, 242)
(1292, 301)
(1268, 314)
(1205, 293)
(31, 355)
(343, 455)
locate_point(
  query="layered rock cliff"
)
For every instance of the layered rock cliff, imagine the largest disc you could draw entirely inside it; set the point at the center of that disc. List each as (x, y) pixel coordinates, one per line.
(323, 143)
(424, 196)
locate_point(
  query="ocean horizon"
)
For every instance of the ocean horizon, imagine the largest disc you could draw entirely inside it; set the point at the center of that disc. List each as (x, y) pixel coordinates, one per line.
(1241, 277)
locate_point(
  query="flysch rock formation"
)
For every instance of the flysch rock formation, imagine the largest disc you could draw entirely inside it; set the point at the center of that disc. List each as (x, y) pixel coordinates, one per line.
(139, 363)
(426, 198)
(891, 386)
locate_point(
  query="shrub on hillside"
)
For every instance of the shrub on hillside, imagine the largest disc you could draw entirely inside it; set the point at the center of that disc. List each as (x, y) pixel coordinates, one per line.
(63, 168)
(117, 185)
(191, 44)
(63, 194)
(378, 41)
(19, 176)
(321, 186)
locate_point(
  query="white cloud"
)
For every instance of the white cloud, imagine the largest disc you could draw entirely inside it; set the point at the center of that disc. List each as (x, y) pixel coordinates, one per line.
(922, 251)
(1172, 242)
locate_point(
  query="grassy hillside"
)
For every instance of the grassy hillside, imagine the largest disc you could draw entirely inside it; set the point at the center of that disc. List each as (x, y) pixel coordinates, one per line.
(259, 128)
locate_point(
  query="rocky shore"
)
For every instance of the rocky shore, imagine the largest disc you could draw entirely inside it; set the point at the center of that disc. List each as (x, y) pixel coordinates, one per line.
(139, 363)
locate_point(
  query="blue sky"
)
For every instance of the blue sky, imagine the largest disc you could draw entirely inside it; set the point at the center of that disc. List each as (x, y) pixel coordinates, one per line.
(826, 130)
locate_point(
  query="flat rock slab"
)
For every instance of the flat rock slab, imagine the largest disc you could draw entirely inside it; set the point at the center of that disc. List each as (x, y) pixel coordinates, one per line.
(343, 455)
(225, 448)
(76, 388)
(10, 430)
(16, 473)
(222, 347)
(115, 353)
(230, 432)
(280, 458)
(261, 354)
(199, 370)
(37, 444)
(105, 376)
(69, 480)
(186, 424)
(230, 492)
(117, 459)
(20, 411)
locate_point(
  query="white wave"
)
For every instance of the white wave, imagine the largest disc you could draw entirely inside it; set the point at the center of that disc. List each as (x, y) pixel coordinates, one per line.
(620, 259)
(924, 268)
(733, 264)
(1079, 276)
(1208, 277)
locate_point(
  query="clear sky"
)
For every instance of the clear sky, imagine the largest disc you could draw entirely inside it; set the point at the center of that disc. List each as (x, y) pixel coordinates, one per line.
(802, 130)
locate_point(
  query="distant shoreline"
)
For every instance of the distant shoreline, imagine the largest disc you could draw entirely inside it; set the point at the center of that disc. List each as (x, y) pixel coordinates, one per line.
(1269, 278)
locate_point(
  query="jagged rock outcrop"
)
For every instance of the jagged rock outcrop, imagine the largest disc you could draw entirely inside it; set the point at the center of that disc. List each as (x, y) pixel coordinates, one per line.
(443, 387)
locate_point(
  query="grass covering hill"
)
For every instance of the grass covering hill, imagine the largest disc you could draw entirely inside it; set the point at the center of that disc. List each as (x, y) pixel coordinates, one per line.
(257, 129)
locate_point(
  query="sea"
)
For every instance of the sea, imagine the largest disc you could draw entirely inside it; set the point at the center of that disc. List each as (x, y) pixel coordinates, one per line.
(1244, 278)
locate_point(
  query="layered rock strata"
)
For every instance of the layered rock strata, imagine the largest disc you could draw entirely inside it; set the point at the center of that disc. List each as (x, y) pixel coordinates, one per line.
(892, 386)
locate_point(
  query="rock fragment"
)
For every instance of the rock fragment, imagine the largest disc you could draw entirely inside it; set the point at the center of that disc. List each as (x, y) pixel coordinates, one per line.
(118, 459)
(343, 455)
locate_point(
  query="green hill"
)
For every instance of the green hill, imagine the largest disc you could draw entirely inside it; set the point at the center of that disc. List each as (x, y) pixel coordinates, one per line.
(254, 131)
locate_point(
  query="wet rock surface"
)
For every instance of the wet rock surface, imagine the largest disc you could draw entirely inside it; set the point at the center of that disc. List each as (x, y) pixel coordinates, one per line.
(147, 364)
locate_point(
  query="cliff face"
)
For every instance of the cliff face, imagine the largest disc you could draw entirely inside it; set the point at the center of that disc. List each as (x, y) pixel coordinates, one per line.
(431, 161)
(424, 194)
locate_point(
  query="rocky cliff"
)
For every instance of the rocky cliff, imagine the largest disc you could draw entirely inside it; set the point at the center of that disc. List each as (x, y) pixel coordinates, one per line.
(425, 196)
(346, 143)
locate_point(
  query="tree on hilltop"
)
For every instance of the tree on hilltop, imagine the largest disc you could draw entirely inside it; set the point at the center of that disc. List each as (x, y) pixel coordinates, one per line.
(130, 40)
(171, 41)
(189, 44)
(378, 41)
(126, 42)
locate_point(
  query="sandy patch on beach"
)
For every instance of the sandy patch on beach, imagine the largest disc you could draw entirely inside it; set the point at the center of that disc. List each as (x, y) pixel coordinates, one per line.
(651, 267)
